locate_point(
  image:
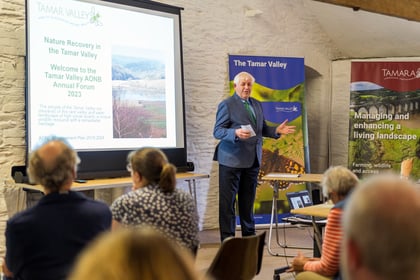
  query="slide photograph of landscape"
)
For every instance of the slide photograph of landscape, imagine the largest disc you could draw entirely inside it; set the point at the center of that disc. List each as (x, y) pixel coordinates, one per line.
(138, 92)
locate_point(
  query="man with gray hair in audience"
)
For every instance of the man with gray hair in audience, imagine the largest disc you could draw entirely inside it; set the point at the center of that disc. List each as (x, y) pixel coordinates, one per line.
(382, 231)
(43, 241)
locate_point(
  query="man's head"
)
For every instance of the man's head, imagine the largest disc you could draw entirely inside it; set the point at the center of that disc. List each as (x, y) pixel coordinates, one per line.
(53, 165)
(382, 230)
(242, 83)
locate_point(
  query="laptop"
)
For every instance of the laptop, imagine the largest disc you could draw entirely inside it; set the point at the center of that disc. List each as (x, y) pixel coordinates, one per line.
(301, 199)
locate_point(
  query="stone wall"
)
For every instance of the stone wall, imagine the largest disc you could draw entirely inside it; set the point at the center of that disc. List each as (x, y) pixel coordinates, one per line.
(211, 30)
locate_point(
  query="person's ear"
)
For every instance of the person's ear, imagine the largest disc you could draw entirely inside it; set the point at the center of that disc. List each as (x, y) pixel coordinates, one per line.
(136, 179)
(137, 176)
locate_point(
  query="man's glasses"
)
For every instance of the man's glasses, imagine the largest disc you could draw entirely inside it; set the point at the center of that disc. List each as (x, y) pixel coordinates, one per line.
(129, 167)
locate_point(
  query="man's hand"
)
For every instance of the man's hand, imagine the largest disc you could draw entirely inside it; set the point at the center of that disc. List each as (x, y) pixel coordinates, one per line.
(283, 128)
(243, 133)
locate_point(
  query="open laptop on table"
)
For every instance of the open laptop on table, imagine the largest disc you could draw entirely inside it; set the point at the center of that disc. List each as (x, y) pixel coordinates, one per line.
(301, 199)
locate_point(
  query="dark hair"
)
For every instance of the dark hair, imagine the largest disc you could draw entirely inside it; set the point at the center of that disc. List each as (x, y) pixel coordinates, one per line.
(153, 165)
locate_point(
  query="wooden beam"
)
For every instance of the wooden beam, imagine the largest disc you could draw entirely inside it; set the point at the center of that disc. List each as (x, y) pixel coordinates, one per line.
(407, 9)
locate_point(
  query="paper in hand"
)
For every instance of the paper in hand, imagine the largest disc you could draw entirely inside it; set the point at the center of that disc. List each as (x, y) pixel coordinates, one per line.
(249, 128)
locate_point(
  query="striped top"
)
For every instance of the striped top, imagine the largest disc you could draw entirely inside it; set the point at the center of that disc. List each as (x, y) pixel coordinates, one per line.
(329, 263)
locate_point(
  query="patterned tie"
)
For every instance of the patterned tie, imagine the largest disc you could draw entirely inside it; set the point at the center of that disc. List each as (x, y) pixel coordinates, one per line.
(251, 114)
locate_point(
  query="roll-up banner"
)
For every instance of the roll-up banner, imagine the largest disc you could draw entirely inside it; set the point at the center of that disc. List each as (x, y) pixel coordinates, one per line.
(279, 86)
(384, 108)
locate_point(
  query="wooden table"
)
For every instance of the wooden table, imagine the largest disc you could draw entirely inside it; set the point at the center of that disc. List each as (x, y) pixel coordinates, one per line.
(122, 182)
(293, 178)
(274, 179)
(319, 210)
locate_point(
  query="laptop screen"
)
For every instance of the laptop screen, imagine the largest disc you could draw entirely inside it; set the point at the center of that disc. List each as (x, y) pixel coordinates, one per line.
(299, 199)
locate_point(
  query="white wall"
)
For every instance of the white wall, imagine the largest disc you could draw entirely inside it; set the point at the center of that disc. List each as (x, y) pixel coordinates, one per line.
(211, 31)
(339, 112)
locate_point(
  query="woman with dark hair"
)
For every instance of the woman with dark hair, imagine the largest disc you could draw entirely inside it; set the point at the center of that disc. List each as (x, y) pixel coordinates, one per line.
(154, 201)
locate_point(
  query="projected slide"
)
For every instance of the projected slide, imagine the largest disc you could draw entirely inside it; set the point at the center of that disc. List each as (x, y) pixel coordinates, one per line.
(103, 77)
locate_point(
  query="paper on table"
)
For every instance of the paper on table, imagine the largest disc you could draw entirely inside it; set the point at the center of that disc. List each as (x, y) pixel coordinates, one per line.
(284, 175)
(249, 128)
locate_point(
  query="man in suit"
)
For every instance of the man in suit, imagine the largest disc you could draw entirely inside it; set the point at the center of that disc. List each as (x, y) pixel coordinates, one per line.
(42, 242)
(240, 126)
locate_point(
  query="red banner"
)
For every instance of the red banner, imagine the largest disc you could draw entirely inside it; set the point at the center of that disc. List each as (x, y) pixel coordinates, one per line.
(384, 132)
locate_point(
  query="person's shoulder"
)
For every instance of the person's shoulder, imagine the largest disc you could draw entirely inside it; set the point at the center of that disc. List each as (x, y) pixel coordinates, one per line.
(80, 196)
(254, 101)
(232, 98)
(341, 204)
(90, 202)
(98, 211)
(335, 214)
(21, 216)
(96, 202)
(98, 207)
(183, 196)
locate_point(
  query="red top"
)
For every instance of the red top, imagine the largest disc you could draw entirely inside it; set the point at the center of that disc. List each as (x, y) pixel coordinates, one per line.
(329, 263)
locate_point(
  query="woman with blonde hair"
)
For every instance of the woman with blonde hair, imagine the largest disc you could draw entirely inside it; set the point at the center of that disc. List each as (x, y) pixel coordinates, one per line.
(133, 254)
(154, 201)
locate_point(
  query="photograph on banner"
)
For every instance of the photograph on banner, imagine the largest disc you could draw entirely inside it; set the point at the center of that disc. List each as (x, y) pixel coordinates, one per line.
(279, 86)
(384, 132)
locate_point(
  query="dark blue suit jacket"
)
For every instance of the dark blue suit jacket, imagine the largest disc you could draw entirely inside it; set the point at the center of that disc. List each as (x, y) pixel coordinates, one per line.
(234, 152)
(42, 242)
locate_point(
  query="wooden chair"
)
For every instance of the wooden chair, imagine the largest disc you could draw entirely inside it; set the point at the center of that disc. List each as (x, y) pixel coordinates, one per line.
(238, 258)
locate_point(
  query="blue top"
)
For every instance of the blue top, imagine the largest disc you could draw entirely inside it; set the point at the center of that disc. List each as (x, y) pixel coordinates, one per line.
(231, 115)
(43, 241)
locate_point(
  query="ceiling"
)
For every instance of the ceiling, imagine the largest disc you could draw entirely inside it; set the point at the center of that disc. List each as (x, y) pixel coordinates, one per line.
(361, 34)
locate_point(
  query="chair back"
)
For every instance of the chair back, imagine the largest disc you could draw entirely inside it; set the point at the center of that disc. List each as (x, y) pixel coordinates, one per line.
(238, 258)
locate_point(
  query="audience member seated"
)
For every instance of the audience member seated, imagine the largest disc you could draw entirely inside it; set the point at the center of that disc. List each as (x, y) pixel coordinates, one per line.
(42, 242)
(382, 231)
(133, 254)
(154, 201)
(406, 167)
(337, 183)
